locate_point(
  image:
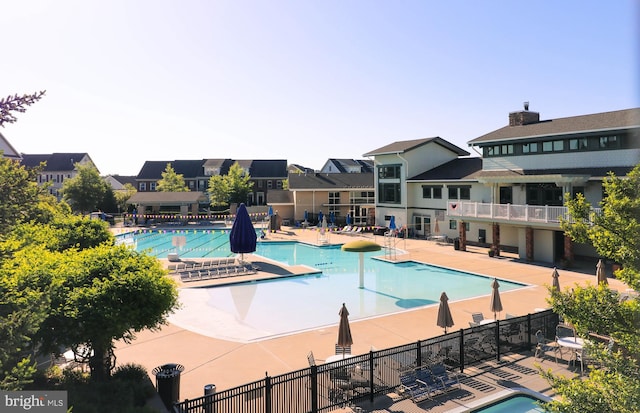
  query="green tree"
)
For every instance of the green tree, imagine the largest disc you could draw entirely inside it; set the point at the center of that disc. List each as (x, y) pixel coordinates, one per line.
(123, 195)
(86, 190)
(234, 187)
(22, 309)
(614, 231)
(97, 296)
(16, 103)
(109, 202)
(19, 194)
(171, 181)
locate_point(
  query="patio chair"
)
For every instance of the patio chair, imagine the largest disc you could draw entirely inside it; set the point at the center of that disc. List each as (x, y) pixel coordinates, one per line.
(543, 346)
(343, 349)
(449, 379)
(311, 359)
(477, 317)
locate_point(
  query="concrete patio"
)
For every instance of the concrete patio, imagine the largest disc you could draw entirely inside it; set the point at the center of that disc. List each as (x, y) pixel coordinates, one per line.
(228, 364)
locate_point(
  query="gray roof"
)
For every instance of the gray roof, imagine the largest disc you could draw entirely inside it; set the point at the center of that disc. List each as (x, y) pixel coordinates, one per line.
(406, 146)
(189, 169)
(54, 161)
(279, 197)
(456, 169)
(620, 119)
(330, 181)
(365, 165)
(125, 179)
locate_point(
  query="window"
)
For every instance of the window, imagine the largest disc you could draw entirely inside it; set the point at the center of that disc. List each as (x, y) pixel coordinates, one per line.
(460, 192)
(453, 224)
(152, 186)
(389, 193)
(143, 186)
(578, 144)
(553, 146)
(430, 191)
(389, 172)
(506, 149)
(506, 195)
(609, 142)
(334, 198)
(530, 147)
(260, 183)
(577, 190)
(269, 184)
(279, 184)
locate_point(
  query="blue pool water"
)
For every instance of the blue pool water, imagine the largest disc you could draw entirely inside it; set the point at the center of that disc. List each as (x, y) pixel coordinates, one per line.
(521, 403)
(252, 310)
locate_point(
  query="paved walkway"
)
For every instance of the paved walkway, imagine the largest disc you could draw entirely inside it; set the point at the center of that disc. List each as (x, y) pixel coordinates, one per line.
(228, 364)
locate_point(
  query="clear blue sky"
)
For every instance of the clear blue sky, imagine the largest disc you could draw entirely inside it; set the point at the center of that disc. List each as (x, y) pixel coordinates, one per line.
(135, 80)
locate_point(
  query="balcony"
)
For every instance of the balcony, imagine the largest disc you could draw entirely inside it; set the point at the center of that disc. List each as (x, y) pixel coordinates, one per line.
(542, 215)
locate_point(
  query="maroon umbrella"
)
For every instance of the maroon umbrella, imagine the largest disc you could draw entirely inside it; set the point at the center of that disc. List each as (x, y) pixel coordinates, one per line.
(445, 319)
(344, 331)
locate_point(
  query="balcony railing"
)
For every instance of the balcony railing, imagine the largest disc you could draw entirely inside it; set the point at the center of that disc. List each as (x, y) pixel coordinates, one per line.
(541, 214)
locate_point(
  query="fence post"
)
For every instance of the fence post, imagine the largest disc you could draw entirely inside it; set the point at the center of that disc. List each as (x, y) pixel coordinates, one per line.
(497, 335)
(371, 375)
(529, 331)
(267, 393)
(419, 355)
(314, 389)
(461, 350)
(209, 391)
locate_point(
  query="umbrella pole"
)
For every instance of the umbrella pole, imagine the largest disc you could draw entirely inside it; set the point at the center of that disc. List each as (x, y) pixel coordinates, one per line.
(361, 269)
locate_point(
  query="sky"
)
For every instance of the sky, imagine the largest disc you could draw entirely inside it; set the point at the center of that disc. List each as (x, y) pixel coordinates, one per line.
(134, 80)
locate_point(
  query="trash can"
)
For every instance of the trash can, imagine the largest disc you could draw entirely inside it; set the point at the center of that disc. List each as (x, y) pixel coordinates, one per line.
(168, 383)
(456, 243)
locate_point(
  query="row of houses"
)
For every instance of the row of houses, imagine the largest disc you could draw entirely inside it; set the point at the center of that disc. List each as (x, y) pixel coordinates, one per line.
(509, 197)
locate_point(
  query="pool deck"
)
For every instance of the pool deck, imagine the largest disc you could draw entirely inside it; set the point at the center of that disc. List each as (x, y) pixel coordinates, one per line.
(228, 364)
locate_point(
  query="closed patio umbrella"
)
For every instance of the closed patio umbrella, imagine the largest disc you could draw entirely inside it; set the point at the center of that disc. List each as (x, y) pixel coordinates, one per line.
(445, 319)
(320, 217)
(496, 303)
(348, 219)
(242, 238)
(601, 275)
(392, 222)
(556, 281)
(344, 331)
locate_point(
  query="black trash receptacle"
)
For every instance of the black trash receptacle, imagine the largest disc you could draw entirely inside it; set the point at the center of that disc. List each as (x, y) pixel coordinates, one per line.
(456, 244)
(168, 383)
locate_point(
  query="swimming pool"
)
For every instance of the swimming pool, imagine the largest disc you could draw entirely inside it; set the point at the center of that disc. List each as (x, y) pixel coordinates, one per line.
(517, 400)
(248, 311)
(210, 243)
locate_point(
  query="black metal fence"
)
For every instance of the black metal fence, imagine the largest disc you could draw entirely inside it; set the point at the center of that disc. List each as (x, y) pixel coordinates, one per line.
(324, 387)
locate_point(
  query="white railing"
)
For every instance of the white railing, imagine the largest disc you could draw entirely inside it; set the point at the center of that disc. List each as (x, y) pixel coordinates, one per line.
(508, 212)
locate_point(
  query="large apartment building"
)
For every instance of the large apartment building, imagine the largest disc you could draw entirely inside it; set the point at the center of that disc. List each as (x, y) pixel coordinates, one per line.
(513, 196)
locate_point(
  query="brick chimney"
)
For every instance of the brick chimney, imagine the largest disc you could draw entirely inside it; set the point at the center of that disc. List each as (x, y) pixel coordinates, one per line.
(524, 117)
